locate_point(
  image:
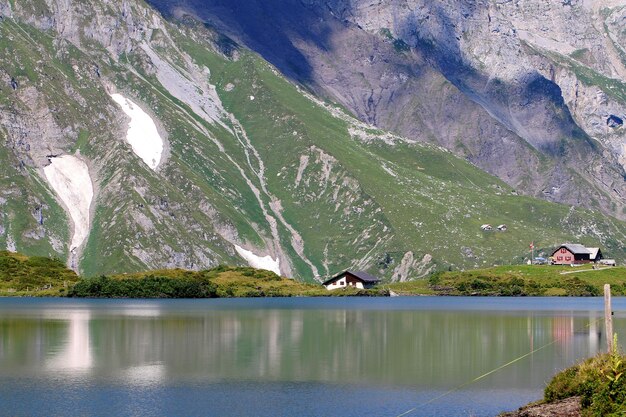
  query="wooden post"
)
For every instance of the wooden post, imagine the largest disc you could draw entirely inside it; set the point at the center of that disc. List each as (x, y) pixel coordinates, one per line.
(608, 319)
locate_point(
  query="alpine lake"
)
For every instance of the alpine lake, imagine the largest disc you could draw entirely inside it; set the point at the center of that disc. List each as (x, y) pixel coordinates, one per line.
(399, 356)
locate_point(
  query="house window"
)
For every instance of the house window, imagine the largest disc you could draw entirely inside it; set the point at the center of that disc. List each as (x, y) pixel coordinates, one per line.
(559, 258)
(568, 258)
(563, 250)
(342, 283)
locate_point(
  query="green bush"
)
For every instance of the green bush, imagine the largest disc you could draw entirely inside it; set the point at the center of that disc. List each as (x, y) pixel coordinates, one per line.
(575, 287)
(599, 381)
(150, 286)
(435, 279)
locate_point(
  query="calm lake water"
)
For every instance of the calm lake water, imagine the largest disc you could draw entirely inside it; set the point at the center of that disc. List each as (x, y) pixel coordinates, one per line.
(289, 357)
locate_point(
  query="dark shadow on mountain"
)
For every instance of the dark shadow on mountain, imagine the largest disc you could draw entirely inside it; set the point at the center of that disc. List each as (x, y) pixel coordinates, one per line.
(269, 27)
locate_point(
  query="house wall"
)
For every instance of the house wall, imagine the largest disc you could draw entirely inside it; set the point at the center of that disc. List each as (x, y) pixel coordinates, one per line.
(345, 281)
(564, 257)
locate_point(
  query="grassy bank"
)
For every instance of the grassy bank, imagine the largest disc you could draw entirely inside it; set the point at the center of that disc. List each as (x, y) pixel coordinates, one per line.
(37, 276)
(519, 280)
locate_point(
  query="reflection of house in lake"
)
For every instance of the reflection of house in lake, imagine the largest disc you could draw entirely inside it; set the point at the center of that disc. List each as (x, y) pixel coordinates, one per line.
(357, 279)
(566, 330)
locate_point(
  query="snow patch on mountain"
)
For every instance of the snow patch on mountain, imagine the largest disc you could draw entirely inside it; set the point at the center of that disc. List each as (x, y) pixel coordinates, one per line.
(142, 134)
(69, 178)
(11, 246)
(255, 261)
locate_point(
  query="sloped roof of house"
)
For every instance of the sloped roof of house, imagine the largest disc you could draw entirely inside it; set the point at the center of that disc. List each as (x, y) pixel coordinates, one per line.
(575, 248)
(594, 252)
(363, 276)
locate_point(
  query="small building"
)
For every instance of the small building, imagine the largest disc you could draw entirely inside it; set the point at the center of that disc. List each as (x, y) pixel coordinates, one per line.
(572, 254)
(356, 279)
(486, 227)
(502, 228)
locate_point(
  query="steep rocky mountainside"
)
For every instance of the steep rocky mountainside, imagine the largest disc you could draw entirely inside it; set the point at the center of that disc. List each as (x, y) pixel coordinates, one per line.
(131, 141)
(531, 91)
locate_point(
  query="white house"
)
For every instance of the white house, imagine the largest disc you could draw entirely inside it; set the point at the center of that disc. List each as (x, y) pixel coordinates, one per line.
(356, 279)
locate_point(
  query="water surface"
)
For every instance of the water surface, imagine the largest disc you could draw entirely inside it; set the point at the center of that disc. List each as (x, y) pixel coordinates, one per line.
(290, 357)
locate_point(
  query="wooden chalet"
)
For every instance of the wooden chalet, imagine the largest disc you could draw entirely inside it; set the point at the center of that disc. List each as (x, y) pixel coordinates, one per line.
(575, 254)
(356, 279)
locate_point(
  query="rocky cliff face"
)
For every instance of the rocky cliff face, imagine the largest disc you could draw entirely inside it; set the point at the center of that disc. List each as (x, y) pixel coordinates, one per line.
(551, 72)
(524, 89)
(199, 152)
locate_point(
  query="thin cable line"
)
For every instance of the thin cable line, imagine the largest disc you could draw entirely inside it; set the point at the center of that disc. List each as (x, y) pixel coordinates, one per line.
(487, 373)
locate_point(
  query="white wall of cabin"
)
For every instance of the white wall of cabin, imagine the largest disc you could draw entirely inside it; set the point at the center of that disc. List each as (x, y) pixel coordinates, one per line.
(342, 283)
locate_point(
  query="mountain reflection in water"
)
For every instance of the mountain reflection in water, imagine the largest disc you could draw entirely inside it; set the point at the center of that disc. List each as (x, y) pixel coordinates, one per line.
(168, 343)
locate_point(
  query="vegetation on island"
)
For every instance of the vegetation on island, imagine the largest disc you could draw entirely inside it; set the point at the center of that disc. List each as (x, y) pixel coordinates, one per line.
(519, 280)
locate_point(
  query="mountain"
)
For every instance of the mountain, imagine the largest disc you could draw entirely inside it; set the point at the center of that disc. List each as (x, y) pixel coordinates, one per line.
(533, 92)
(134, 141)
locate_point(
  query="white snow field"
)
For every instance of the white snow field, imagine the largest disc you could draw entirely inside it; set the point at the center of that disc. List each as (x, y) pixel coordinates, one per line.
(69, 177)
(255, 261)
(142, 134)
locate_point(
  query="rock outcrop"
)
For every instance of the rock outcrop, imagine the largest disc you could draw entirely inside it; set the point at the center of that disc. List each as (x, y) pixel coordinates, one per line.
(566, 408)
